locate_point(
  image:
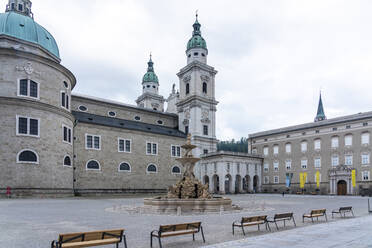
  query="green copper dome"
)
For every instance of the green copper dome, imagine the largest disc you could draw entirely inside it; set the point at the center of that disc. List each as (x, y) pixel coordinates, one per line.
(25, 28)
(196, 41)
(150, 75)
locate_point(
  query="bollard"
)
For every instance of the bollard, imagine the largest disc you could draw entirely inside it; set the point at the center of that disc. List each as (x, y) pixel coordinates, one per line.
(8, 192)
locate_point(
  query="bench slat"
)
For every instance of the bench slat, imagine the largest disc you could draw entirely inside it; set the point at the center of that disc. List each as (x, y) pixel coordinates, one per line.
(89, 236)
(179, 227)
(91, 243)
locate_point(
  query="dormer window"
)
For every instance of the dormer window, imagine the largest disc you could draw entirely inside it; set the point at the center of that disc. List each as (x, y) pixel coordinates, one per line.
(189, 56)
(203, 54)
(196, 54)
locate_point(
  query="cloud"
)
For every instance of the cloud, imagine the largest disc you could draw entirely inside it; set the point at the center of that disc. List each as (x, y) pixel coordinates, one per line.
(273, 57)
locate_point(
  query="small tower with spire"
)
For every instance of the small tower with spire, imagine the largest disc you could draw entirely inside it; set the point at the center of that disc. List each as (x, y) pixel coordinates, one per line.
(20, 6)
(196, 47)
(320, 116)
(150, 97)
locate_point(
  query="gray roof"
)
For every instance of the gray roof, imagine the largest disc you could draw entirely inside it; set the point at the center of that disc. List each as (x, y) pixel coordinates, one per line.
(126, 124)
(120, 104)
(333, 121)
(233, 154)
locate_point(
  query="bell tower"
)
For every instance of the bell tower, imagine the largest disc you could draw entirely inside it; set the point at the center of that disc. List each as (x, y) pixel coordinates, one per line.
(197, 104)
(150, 97)
(20, 6)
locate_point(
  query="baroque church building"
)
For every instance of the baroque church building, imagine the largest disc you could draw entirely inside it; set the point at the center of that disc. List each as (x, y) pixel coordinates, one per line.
(57, 142)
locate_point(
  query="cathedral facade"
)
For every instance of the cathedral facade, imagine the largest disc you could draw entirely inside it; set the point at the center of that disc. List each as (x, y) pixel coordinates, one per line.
(55, 142)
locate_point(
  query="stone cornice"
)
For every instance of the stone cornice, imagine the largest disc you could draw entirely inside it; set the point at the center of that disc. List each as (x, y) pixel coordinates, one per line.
(151, 96)
(11, 51)
(196, 64)
(198, 100)
(14, 101)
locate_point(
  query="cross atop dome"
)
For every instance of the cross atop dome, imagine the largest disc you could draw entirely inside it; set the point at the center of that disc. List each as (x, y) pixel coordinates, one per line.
(20, 6)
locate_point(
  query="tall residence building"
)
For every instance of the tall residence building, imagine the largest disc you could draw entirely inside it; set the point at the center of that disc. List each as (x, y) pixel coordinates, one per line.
(330, 156)
(54, 142)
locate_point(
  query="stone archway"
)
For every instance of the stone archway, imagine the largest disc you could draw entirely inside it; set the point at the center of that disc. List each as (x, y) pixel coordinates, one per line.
(341, 187)
(238, 184)
(228, 186)
(216, 184)
(206, 179)
(255, 183)
(246, 182)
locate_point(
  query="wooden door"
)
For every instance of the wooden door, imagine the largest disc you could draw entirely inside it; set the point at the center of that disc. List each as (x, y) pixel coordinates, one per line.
(341, 187)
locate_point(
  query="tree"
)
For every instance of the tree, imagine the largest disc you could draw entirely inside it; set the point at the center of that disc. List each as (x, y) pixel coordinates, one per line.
(234, 146)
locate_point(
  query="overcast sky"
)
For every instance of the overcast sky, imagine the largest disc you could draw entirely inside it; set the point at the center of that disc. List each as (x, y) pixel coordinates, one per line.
(272, 57)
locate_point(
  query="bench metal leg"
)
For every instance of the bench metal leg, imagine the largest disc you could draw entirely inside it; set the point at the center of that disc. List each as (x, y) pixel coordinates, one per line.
(268, 226)
(201, 229)
(294, 221)
(243, 230)
(352, 213)
(284, 223)
(125, 241)
(151, 240)
(160, 242)
(233, 229)
(326, 217)
(193, 237)
(312, 220)
(258, 226)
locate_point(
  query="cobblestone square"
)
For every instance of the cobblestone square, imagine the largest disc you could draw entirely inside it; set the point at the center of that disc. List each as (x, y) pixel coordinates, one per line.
(34, 223)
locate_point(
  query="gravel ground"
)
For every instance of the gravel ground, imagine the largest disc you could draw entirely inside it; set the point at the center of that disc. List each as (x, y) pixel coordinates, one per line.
(34, 223)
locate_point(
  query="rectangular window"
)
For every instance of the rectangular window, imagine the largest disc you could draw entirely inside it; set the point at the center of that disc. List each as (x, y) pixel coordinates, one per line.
(124, 145)
(205, 130)
(187, 129)
(151, 148)
(276, 166)
(304, 163)
(92, 142)
(67, 134)
(317, 163)
(365, 159)
(276, 179)
(176, 151)
(275, 150)
(266, 167)
(266, 151)
(28, 88)
(365, 175)
(303, 146)
(365, 138)
(288, 164)
(349, 159)
(288, 148)
(348, 140)
(266, 180)
(317, 144)
(334, 142)
(335, 160)
(27, 126)
(65, 103)
(205, 151)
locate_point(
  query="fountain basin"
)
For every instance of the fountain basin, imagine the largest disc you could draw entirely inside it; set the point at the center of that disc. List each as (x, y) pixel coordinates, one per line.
(174, 205)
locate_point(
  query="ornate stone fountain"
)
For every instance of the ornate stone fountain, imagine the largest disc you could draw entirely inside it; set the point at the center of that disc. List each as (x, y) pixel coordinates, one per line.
(189, 195)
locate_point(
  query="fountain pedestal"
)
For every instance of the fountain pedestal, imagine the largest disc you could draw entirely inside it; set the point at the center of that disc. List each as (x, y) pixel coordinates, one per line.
(189, 195)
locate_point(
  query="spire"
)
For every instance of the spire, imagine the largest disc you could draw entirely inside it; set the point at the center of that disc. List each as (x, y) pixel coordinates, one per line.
(196, 26)
(20, 6)
(320, 116)
(150, 64)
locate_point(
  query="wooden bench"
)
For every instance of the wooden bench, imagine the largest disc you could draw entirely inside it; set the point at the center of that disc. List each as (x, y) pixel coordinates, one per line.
(88, 239)
(177, 230)
(315, 213)
(251, 221)
(282, 217)
(342, 211)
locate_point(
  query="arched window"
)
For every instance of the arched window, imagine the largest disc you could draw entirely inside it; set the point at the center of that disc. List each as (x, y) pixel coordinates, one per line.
(151, 168)
(93, 165)
(176, 170)
(124, 166)
(205, 87)
(187, 88)
(67, 161)
(27, 156)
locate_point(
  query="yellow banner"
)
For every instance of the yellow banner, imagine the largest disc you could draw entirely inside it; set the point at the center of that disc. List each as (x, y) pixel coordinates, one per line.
(301, 180)
(317, 178)
(305, 177)
(353, 180)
